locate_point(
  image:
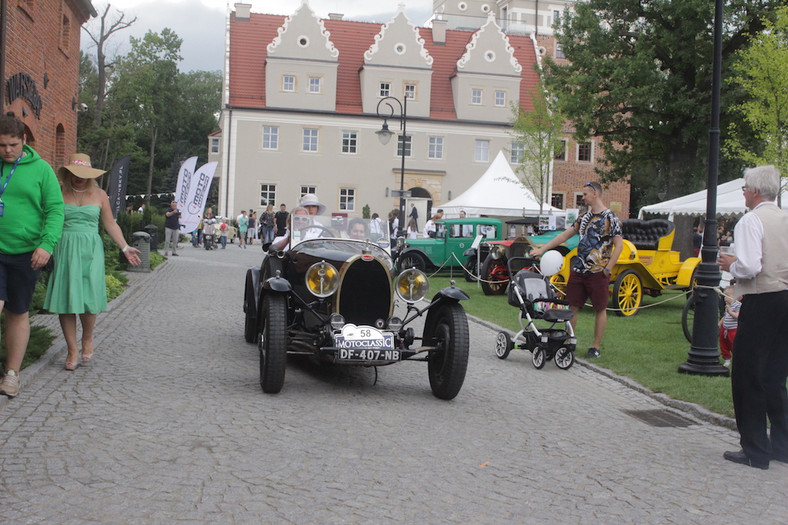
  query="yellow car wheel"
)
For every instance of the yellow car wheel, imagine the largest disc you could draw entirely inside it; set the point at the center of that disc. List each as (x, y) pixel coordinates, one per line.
(627, 293)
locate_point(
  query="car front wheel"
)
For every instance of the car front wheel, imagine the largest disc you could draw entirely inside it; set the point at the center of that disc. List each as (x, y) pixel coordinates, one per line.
(448, 330)
(495, 276)
(411, 260)
(273, 343)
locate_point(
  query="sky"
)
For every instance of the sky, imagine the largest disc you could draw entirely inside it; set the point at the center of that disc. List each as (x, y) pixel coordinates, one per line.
(201, 23)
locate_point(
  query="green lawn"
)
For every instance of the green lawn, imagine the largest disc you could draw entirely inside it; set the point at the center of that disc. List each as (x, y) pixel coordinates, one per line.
(647, 347)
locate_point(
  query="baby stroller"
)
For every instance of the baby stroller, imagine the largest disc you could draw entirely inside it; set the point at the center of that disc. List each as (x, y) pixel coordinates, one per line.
(532, 294)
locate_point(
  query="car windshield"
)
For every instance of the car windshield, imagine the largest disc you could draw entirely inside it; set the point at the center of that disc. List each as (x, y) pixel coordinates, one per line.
(341, 225)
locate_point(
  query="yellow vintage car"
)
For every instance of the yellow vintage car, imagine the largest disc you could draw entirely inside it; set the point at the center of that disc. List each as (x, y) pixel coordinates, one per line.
(648, 264)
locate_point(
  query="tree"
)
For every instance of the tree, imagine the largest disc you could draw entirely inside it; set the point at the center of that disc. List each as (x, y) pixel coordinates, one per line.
(538, 133)
(639, 77)
(762, 72)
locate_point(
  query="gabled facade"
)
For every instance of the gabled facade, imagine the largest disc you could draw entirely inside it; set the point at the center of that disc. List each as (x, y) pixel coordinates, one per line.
(284, 134)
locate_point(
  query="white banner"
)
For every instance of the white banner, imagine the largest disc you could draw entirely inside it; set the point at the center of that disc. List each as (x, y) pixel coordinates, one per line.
(185, 177)
(198, 194)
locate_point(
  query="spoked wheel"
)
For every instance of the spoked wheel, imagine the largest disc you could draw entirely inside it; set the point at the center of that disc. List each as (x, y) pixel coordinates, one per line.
(448, 330)
(627, 293)
(688, 316)
(495, 276)
(538, 357)
(564, 358)
(503, 345)
(411, 260)
(273, 343)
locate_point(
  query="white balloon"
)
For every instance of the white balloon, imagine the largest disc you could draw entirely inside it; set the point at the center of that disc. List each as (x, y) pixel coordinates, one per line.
(551, 263)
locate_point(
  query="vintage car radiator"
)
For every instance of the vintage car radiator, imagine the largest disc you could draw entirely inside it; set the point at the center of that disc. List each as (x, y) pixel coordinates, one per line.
(365, 292)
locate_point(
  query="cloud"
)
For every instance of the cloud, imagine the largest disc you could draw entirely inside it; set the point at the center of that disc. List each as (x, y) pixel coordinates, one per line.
(201, 23)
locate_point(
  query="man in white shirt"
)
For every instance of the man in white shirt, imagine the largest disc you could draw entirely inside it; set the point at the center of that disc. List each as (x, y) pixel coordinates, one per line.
(760, 349)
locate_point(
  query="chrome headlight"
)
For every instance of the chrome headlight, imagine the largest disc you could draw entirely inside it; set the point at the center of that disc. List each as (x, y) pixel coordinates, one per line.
(497, 251)
(412, 285)
(322, 279)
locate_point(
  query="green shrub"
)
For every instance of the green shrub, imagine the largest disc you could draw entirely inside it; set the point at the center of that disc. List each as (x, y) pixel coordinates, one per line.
(114, 287)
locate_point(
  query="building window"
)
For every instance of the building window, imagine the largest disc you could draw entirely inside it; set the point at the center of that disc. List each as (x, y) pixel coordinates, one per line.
(560, 152)
(385, 89)
(481, 152)
(65, 34)
(310, 140)
(314, 84)
(349, 141)
(410, 91)
(214, 145)
(584, 152)
(476, 96)
(559, 51)
(288, 83)
(308, 189)
(579, 202)
(407, 142)
(267, 194)
(556, 16)
(435, 148)
(517, 151)
(270, 137)
(557, 200)
(347, 199)
(500, 98)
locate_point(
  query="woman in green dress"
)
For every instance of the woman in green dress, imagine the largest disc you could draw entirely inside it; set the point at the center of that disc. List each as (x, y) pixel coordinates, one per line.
(77, 285)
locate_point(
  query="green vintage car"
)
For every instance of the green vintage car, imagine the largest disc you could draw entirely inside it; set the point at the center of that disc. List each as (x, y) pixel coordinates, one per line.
(454, 244)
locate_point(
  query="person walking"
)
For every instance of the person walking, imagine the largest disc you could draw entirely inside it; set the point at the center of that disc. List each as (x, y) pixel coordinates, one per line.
(267, 224)
(414, 214)
(77, 284)
(223, 233)
(251, 230)
(31, 220)
(172, 228)
(760, 266)
(243, 225)
(601, 243)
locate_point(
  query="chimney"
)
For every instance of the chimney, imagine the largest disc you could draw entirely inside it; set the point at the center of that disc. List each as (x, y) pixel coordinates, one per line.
(242, 11)
(439, 31)
(336, 16)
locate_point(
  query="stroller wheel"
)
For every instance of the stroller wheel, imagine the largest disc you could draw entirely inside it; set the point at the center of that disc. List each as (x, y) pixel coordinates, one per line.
(538, 357)
(564, 358)
(503, 345)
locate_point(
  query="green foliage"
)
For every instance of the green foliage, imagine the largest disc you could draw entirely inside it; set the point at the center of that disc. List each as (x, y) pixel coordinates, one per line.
(639, 77)
(114, 287)
(762, 73)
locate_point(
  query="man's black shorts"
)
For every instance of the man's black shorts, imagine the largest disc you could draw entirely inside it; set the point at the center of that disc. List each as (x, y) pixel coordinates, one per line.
(17, 282)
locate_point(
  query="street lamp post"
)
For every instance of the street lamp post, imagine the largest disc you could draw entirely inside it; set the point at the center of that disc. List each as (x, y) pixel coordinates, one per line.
(384, 135)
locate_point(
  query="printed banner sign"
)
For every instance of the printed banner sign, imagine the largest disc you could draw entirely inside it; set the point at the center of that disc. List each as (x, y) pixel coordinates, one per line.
(185, 177)
(118, 181)
(198, 194)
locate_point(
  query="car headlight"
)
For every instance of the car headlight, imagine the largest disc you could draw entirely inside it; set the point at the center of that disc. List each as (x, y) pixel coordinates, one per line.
(412, 285)
(322, 279)
(497, 251)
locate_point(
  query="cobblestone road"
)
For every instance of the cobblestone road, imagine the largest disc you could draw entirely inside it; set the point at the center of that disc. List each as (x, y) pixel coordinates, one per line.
(169, 425)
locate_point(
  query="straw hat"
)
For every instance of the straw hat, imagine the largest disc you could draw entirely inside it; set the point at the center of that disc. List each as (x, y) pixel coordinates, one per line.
(310, 199)
(79, 165)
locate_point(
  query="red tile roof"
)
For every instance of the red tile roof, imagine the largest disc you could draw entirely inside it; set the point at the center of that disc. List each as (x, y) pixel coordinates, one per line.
(249, 40)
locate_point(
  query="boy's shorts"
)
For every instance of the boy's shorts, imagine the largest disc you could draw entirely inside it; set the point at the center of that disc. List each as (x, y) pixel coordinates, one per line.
(17, 282)
(582, 286)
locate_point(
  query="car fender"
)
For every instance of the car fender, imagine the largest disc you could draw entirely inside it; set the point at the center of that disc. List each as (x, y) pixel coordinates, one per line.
(686, 271)
(277, 284)
(450, 293)
(469, 252)
(252, 287)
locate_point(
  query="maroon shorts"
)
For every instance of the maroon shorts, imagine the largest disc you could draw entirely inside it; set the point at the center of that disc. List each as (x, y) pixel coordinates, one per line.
(582, 286)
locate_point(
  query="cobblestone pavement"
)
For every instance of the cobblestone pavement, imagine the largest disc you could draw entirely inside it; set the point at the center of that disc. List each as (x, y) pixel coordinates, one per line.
(169, 425)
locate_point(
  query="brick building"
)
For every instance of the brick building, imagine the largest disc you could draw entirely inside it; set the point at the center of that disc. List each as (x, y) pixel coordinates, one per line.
(39, 69)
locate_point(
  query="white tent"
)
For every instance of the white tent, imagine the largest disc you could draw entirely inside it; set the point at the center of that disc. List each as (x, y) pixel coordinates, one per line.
(730, 201)
(499, 193)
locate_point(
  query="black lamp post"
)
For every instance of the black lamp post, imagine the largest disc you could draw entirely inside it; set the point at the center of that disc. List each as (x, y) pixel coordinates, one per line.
(703, 355)
(384, 135)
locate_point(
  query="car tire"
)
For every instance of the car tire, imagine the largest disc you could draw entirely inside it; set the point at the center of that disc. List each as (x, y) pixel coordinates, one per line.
(538, 357)
(471, 269)
(564, 358)
(411, 260)
(495, 276)
(503, 345)
(250, 310)
(627, 293)
(272, 343)
(447, 328)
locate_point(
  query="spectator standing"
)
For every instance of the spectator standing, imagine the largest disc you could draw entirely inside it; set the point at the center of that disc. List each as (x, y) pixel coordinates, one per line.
(758, 375)
(394, 227)
(413, 229)
(414, 214)
(77, 284)
(251, 231)
(430, 228)
(280, 220)
(172, 228)
(31, 220)
(600, 245)
(375, 228)
(267, 224)
(223, 233)
(728, 325)
(243, 225)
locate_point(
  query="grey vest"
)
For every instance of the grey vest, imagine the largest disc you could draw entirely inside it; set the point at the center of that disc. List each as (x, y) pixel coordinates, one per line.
(774, 263)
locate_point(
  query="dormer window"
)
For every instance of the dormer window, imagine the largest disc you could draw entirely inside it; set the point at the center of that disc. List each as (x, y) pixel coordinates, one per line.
(500, 98)
(288, 83)
(385, 89)
(314, 84)
(476, 96)
(410, 91)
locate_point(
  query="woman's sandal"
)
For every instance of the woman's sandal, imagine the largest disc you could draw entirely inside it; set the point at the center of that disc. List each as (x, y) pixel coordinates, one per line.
(70, 365)
(86, 358)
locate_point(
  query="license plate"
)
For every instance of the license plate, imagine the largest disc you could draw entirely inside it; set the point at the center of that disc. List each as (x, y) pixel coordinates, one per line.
(365, 343)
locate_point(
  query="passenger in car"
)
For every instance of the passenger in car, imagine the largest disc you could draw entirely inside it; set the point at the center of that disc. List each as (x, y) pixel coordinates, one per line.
(299, 218)
(357, 229)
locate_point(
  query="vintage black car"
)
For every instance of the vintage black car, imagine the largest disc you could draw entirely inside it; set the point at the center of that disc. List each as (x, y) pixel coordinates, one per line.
(332, 298)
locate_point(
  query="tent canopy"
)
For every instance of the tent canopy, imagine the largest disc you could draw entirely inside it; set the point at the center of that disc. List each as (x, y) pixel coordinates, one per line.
(498, 192)
(730, 201)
